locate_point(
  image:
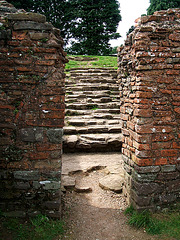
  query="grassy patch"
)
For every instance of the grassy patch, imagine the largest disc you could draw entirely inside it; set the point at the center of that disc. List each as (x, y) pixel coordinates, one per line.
(37, 228)
(164, 224)
(100, 61)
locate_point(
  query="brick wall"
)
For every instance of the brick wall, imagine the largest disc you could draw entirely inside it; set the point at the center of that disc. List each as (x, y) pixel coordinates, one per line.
(32, 113)
(149, 77)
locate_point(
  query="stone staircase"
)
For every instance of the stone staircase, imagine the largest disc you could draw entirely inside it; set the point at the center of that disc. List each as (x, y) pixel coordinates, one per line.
(92, 121)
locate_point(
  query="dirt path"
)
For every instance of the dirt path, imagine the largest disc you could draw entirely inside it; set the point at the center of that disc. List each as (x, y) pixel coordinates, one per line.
(95, 214)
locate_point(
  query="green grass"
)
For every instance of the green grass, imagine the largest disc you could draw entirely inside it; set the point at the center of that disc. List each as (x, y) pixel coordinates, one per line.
(37, 228)
(163, 224)
(102, 61)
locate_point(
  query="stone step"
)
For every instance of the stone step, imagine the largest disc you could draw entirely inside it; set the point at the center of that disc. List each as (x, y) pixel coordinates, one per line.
(76, 80)
(92, 106)
(91, 100)
(92, 74)
(92, 142)
(89, 94)
(97, 113)
(92, 129)
(93, 87)
(90, 121)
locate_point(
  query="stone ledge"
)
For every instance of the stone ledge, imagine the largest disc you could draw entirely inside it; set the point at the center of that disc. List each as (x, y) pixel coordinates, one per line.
(30, 25)
(36, 17)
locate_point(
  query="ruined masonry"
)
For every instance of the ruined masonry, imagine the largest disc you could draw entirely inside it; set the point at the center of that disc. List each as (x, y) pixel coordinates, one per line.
(32, 109)
(32, 113)
(149, 78)
(92, 122)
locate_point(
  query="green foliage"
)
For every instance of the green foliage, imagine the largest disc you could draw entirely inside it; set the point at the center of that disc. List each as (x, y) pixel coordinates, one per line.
(94, 23)
(25, 4)
(100, 61)
(164, 224)
(156, 5)
(37, 228)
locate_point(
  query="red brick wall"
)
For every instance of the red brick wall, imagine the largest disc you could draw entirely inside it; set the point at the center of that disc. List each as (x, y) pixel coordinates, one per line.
(32, 112)
(149, 77)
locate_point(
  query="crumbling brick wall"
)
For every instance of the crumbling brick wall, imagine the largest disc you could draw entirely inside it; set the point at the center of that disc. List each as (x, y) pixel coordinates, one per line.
(32, 113)
(149, 68)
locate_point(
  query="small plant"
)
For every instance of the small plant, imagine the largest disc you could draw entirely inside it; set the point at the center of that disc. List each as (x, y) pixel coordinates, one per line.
(44, 40)
(161, 223)
(37, 228)
(94, 108)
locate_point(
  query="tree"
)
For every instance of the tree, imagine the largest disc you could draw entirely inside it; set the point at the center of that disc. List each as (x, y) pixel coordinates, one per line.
(24, 4)
(94, 23)
(156, 5)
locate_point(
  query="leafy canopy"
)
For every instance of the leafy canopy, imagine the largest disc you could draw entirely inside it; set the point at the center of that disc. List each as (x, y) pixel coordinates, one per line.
(94, 23)
(156, 5)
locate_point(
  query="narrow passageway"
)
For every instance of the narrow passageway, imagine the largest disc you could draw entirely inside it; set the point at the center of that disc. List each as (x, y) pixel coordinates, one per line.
(94, 208)
(92, 169)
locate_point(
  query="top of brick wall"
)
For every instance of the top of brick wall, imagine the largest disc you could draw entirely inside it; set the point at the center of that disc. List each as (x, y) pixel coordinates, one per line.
(155, 24)
(9, 12)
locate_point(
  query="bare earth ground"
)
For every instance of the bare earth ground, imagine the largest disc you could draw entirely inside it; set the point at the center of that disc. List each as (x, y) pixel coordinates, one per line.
(95, 214)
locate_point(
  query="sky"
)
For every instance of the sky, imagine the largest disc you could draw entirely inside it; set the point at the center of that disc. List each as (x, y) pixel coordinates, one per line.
(130, 11)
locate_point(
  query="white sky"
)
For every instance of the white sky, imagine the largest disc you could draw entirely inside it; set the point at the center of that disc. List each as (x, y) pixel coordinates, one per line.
(130, 11)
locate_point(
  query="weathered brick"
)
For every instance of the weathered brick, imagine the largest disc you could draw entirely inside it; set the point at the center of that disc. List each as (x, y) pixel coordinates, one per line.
(32, 83)
(151, 92)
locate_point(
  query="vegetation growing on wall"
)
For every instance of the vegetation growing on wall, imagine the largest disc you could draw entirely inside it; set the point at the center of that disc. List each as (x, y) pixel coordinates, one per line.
(156, 5)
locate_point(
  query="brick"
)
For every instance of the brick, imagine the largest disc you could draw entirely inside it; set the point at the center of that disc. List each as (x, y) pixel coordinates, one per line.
(18, 35)
(177, 110)
(160, 145)
(169, 153)
(143, 112)
(140, 146)
(143, 94)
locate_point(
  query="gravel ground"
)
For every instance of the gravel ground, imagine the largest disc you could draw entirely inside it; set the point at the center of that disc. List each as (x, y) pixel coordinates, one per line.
(97, 214)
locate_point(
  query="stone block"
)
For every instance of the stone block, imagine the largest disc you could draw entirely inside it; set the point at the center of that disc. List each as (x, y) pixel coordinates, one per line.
(55, 135)
(31, 134)
(168, 168)
(38, 35)
(167, 198)
(27, 16)
(29, 25)
(53, 214)
(50, 185)
(53, 205)
(53, 175)
(14, 214)
(144, 177)
(3, 174)
(148, 169)
(22, 185)
(33, 213)
(173, 186)
(147, 188)
(26, 175)
(140, 200)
